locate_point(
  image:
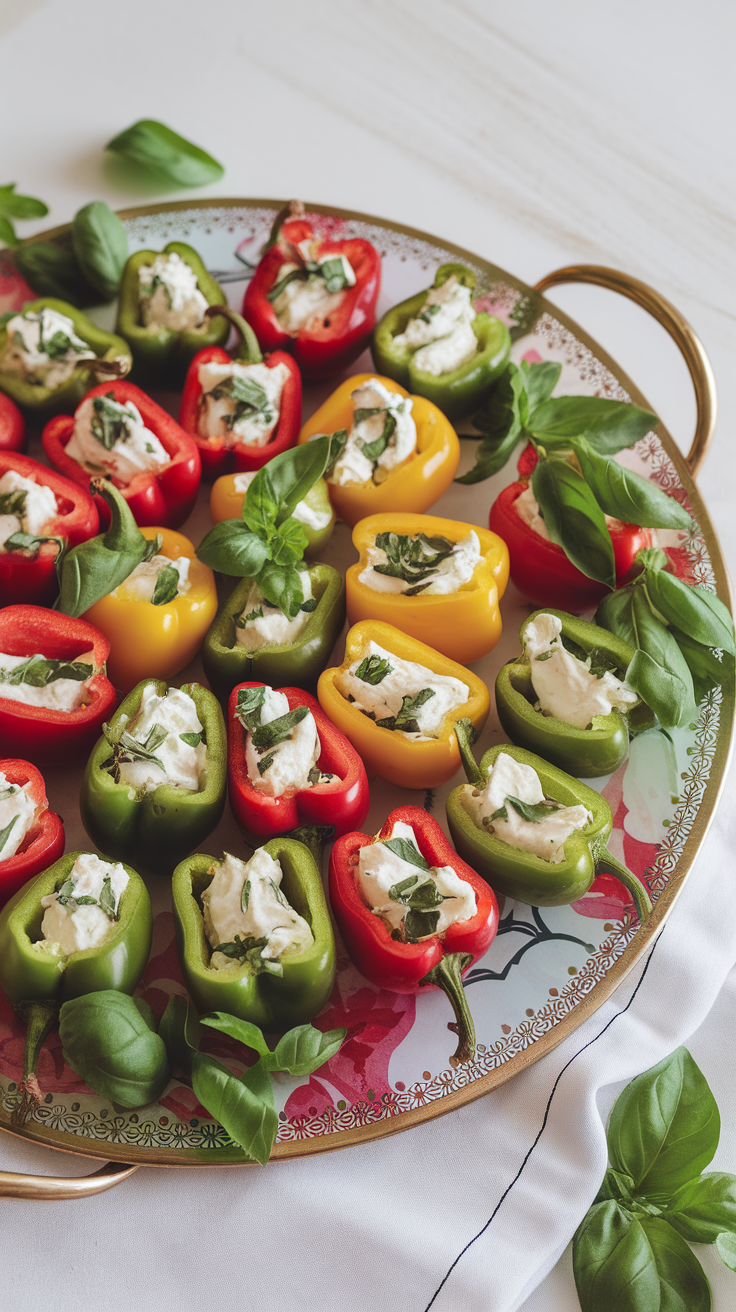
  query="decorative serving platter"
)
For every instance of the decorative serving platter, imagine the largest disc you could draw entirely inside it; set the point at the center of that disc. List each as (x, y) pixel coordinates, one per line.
(548, 968)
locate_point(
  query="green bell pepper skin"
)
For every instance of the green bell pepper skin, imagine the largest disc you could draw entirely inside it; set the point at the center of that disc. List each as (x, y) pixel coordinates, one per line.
(297, 665)
(157, 829)
(158, 351)
(589, 753)
(463, 390)
(112, 352)
(519, 874)
(272, 1002)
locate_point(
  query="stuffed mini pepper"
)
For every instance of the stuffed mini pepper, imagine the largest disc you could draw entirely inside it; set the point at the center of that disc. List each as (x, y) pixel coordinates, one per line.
(31, 836)
(51, 354)
(164, 296)
(42, 514)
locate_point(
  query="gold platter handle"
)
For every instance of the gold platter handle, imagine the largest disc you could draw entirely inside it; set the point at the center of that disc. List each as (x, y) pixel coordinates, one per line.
(15, 1185)
(679, 330)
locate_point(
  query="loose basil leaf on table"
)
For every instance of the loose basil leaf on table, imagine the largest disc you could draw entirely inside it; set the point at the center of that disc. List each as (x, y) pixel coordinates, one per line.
(13, 206)
(100, 246)
(162, 151)
(635, 1264)
(626, 495)
(574, 519)
(704, 1208)
(726, 1245)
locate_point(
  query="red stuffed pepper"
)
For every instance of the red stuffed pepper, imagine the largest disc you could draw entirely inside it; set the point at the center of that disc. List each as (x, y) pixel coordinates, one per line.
(414, 955)
(249, 406)
(162, 494)
(42, 842)
(12, 425)
(341, 801)
(39, 649)
(328, 316)
(29, 549)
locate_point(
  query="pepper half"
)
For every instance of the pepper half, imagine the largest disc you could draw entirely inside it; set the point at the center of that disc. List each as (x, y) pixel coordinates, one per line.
(28, 574)
(342, 804)
(464, 625)
(592, 752)
(461, 391)
(164, 638)
(159, 351)
(435, 961)
(217, 457)
(226, 662)
(273, 1002)
(423, 763)
(520, 874)
(412, 487)
(113, 359)
(39, 732)
(44, 842)
(12, 425)
(226, 502)
(165, 495)
(154, 830)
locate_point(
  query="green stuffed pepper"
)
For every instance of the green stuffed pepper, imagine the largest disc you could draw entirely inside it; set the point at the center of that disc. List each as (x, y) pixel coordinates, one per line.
(51, 354)
(154, 786)
(161, 311)
(255, 939)
(573, 671)
(436, 346)
(518, 871)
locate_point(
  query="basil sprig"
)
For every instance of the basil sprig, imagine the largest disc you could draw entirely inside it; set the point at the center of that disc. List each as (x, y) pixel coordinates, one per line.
(413, 558)
(12, 207)
(126, 749)
(163, 153)
(373, 670)
(83, 266)
(677, 629)
(632, 1249)
(405, 720)
(267, 544)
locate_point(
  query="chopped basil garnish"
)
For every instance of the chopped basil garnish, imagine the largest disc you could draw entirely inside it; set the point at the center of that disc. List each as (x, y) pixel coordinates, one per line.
(249, 951)
(249, 398)
(39, 671)
(309, 605)
(333, 272)
(405, 719)
(71, 901)
(373, 669)
(429, 312)
(127, 749)
(167, 585)
(13, 503)
(5, 833)
(531, 811)
(266, 736)
(331, 269)
(601, 662)
(314, 776)
(111, 421)
(153, 547)
(278, 894)
(193, 739)
(249, 706)
(372, 450)
(265, 763)
(405, 850)
(245, 896)
(10, 791)
(252, 615)
(574, 648)
(545, 655)
(412, 557)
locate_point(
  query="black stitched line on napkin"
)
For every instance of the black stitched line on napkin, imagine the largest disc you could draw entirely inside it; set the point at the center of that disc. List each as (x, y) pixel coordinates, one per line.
(532, 1146)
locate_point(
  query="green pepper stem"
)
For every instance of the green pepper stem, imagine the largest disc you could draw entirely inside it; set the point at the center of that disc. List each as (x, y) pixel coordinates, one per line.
(123, 533)
(293, 209)
(116, 368)
(447, 975)
(40, 1017)
(606, 862)
(247, 349)
(466, 736)
(315, 837)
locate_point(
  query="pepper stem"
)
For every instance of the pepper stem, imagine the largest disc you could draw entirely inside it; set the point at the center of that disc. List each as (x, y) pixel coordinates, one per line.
(448, 976)
(116, 368)
(608, 863)
(123, 533)
(315, 837)
(292, 210)
(247, 349)
(40, 1017)
(466, 736)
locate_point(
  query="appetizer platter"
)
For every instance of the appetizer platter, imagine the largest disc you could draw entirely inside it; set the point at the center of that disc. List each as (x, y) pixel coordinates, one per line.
(451, 828)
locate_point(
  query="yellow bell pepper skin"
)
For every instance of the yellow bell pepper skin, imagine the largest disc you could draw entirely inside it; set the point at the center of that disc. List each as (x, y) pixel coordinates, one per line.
(464, 625)
(148, 641)
(386, 752)
(413, 486)
(227, 503)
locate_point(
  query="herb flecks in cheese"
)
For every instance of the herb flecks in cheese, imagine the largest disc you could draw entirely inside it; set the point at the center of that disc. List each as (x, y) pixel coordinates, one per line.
(156, 581)
(17, 816)
(264, 625)
(382, 435)
(441, 337)
(311, 516)
(110, 438)
(82, 912)
(415, 900)
(241, 403)
(282, 746)
(169, 294)
(400, 695)
(415, 564)
(163, 744)
(38, 680)
(25, 506)
(247, 919)
(43, 347)
(568, 687)
(512, 806)
(310, 288)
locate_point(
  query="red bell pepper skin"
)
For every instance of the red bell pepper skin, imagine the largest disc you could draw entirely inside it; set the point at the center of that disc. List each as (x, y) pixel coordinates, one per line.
(219, 459)
(164, 497)
(322, 348)
(26, 577)
(44, 842)
(40, 733)
(12, 425)
(343, 804)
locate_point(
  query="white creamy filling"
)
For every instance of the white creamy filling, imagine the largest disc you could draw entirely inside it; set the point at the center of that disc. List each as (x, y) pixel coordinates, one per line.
(264, 625)
(111, 438)
(267, 914)
(397, 686)
(303, 299)
(288, 764)
(564, 684)
(441, 336)
(311, 516)
(449, 575)
(141, 584)
(17, 815)
(43, 347)
(56, 695)
(380, 870)
(158, 725)
(169, 295)
(379, 442)
(25, 506)
(73, 927)
(241, 402)
(527, 507)
(544, 838)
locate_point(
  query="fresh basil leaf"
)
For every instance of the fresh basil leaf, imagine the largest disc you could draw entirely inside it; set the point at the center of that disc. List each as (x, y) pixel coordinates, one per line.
(249, 704)
(304, 1049)
(180, 1030)
(532, 812)
(280, 485)
(193, 739)
(126, 749)
(664, 1127)
(373, 670)
(233, 549)
(706, 669)
(418, 894)
(288, 543)
(172, 158)
(29, 542)
(5, 834)
(609, 426)
(244, 1109)
(266, 736)
(500, 422)
(373, 450)
(699, 613)
(539, 380)
(635, 1264)
(265, 763)
(626, 495)
(282, 587)
(412, 557)
(167, 586)
(574, 519)
(659, 672)
(101, 247)
(616, 1185)
(53, 271)
(615, 613)
(249, 951)
(94, 568)
(703, 1208)
(405, 850)
(242, 1030)
(17, 207)
(726, 1245)
(405, 720)
(39, 671)
(419, 924)
(309, 606)
(13, 503)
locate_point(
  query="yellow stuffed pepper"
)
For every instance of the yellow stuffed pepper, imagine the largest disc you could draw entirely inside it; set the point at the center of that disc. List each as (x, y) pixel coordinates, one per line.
(398, 456)
(438, 580)
(155, 621)
(397, 701)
